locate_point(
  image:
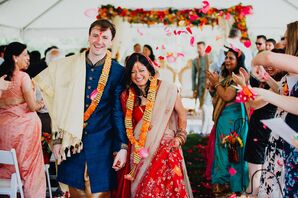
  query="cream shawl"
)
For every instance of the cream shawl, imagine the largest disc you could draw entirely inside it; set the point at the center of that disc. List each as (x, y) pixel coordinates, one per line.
(63, 87)
(163, 125)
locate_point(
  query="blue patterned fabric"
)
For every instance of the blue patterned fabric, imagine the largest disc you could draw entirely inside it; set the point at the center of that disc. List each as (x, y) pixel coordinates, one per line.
(291, 156)
(104, 134)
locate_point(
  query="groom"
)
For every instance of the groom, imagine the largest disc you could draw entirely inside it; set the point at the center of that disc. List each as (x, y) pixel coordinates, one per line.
(83, 96)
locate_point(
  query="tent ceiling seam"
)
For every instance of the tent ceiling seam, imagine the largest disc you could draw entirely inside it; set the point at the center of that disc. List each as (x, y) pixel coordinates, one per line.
(40, 15)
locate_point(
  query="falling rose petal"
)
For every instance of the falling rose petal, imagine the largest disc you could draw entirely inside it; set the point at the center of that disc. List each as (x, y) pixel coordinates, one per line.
(169, 34)
(167, 29)
(247, 44)
(192, 41)
(255, 139)
(208, 49)
(175, 32)
(171, 58)
(91, 12)
(156, 48)
(179, 54)
(251, 111)
(181, 31)
(233, 195)
(93, 94)
(264, 126)
(206, 7)
(141, 33)
(228, 16)
(161, 58)
(163, 47)
(232, 171)
(189, 30)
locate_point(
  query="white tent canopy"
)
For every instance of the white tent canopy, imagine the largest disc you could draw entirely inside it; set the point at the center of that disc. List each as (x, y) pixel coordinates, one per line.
(44, 21)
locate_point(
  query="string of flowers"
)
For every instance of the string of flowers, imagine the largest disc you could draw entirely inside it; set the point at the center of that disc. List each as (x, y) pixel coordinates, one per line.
(139, 150)
(185, 17)
(97, 93)
(245, 94)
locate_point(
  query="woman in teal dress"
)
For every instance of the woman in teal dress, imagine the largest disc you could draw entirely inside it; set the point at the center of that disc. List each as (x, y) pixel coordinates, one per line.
(229, 171)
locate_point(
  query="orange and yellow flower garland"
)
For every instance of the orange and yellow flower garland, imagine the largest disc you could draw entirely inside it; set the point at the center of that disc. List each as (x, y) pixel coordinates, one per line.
(140, 143)
(100, 88)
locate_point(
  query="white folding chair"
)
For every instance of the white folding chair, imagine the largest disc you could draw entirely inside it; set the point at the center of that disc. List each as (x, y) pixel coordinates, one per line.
(46, 168)
(14, 184)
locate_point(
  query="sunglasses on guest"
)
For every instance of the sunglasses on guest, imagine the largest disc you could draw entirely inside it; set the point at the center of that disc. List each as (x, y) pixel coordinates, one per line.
(259, 43)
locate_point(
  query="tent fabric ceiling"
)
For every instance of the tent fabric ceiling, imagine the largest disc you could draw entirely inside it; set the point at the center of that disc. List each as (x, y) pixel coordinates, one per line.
(50, 17)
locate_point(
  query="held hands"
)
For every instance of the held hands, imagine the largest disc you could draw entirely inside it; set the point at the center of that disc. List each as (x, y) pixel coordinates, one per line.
(120, 160)
(4, 84)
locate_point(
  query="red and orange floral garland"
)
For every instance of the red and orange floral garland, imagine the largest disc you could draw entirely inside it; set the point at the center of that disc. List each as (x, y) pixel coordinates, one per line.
(172, 16)
(139, 150)
(100, 88)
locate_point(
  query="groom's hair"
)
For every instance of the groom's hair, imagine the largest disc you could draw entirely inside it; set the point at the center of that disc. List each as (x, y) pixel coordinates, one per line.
(103, 24)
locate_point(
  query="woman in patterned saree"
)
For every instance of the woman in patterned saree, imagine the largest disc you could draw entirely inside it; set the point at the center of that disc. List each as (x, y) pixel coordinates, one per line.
(229, 171)
(20, 127)
(281, 157)
(155, 124)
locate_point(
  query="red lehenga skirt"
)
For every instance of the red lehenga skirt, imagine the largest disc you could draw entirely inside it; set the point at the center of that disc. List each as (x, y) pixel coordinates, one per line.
(164, 178)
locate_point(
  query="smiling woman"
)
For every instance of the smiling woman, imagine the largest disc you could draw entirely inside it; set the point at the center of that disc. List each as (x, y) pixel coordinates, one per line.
(19, 124)
(155, 122)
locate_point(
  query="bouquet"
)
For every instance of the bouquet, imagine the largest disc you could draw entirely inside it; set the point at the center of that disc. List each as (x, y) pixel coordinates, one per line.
(233, 142)
(46, 148)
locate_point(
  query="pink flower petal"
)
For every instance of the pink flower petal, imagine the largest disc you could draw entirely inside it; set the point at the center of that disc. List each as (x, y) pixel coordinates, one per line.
(247, 44)
(141, 33)
(179, 54)
(181, 31)
(93, 94)
(161, 58)
(255, 139)
(156, 48)
(171, 59)
(233, 195)
(208, 49)
(232, 171)
(189, 30)
(206, 7)
(192, 41)
(163, 47)
(264, 126)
